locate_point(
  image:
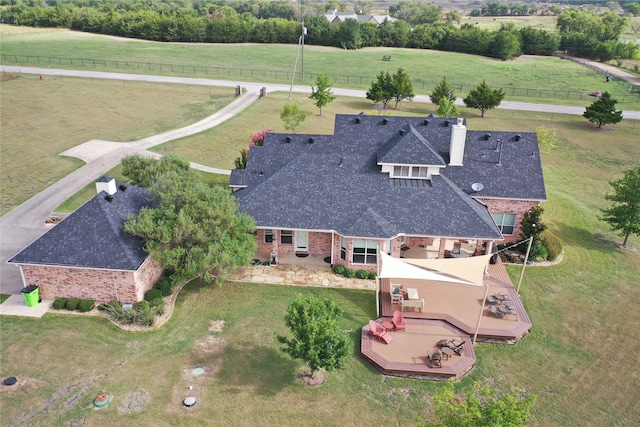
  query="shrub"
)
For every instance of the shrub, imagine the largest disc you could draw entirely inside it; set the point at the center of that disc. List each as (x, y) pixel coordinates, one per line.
(339, 269)
(164, 286)
(86, 305)
(60, 303)
(538, 252)
(159, 305)
(553, 245)
(142, 305)
(106, 305)
(362, 274)
(349, 273)
(152, 294)
(72, 304)
(373, 275)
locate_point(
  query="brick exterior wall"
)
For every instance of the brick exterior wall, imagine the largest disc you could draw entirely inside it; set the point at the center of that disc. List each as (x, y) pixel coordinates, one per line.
(319, 243)
(518, 207)
(95, 284)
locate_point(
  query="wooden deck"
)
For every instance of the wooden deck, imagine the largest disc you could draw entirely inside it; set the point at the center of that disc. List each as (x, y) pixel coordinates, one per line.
(406, 355)
(451, 311)
(460, 306)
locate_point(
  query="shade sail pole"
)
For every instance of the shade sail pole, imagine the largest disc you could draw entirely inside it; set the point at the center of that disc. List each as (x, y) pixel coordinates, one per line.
(526, 259)
(486, 292)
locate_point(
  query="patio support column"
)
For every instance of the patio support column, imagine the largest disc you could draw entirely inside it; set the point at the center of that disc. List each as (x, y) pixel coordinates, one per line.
(486, 292)
(524, 264)
(443, 243)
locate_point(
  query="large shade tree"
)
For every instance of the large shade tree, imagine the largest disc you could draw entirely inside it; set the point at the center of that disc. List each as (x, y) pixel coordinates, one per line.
(483, 97)
(317, 339)
(624, 214)
(443, 90)
(381, 89)
(401, 86)
(194, 230)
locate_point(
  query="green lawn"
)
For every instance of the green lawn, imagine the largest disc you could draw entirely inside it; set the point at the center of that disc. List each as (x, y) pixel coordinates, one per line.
(347, 68)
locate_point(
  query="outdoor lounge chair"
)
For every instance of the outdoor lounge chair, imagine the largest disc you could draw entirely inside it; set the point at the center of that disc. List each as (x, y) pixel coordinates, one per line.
(456, 346)
(398, 321)
(500, 311)
(378, 331)
(435, 359)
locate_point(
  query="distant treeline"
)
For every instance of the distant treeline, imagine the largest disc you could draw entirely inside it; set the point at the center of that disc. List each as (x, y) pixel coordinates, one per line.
(275, 22)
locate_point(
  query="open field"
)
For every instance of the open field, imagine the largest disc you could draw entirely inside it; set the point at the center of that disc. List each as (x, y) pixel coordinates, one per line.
(564, 82)
(581, 358)
(42, 118)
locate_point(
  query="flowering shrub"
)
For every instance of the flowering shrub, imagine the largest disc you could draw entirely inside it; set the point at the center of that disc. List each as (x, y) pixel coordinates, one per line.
(257, 139)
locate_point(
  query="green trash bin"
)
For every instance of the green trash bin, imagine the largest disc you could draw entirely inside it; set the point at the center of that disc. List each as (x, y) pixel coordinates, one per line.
(31, 295)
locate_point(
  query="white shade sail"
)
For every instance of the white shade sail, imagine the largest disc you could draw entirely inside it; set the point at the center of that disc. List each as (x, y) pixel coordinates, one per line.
(471, 269)
(399, 269)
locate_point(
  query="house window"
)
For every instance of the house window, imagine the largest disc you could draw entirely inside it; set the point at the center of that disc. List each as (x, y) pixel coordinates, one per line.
(506, 222)
(419, 172)
(286, 237)
(401, 170)
(343, 248)
(365, 252)
(268, 236)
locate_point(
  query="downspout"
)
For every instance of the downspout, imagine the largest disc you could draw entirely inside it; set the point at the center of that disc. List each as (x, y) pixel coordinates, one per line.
(115, 286)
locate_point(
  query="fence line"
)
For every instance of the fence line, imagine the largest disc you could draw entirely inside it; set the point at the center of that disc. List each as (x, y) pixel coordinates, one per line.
(279, 75)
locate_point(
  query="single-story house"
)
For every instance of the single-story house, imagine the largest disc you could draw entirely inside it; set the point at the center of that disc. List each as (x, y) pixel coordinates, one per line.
(88, 255)
(391, 183)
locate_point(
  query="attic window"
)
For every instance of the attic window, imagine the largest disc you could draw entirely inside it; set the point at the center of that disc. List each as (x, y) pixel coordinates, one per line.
(401, 170)
(410, 171)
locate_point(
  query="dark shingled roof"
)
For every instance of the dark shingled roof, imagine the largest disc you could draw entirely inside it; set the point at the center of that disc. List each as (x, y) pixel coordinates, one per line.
(335, 183)
(92, 236)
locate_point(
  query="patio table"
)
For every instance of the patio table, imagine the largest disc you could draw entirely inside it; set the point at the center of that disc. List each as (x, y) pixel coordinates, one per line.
(446, 351)
(412, 293)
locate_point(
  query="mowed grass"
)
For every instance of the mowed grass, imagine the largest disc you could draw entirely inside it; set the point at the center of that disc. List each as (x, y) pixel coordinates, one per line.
(347, 68)
(42, 118)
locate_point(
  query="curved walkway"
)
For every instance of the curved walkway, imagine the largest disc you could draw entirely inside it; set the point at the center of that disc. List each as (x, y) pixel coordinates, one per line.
(24, 224)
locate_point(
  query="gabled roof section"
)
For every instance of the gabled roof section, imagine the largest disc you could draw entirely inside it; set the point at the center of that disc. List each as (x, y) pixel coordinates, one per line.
(92, 236)
(410, 147)
(369, 222)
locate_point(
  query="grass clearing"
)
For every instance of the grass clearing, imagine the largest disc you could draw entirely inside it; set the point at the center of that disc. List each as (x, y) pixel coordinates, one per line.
(522, 79)
(42, 118)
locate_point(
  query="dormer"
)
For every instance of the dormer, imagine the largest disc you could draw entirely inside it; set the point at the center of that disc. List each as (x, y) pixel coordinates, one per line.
(408, 155)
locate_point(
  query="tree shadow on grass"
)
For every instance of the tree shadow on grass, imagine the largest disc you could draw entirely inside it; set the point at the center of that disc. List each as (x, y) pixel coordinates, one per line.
(264, 369)
(585, 238)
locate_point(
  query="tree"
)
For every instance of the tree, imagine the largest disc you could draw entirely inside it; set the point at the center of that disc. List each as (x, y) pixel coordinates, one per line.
(143, 171)
(483, 97)
(322, 94)
(447, 108)
(317, 339)
(401, 86)
(443, 90)
(382, 89)
(624, 215)
(547, 139)
(603, 111)
(241, 162)
(481, 406)
(532, 226)
(292, 116)
(194, 230)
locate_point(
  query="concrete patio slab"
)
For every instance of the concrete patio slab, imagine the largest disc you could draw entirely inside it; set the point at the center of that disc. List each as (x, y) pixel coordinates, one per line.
(16, 306)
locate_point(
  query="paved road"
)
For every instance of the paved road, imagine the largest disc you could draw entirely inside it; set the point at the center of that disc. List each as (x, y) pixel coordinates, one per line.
(24, 224)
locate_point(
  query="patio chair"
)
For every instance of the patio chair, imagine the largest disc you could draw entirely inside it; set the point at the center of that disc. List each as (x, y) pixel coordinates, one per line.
(378, 331)
(491, 299)
(273, 259)
(456, 346)
(398, 321)
(435, 359)
(500, 311)
(396, 294)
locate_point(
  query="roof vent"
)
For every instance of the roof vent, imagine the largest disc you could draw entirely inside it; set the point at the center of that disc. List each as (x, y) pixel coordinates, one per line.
(402, 131)
(358, 120)
(261, 173)
(518, 137)
(425, 122)
(487, 136)
(108, 198)
(447, 123)
(122, 187)
(340, 162)
(288, 139)
(312, 140)
(385, 121)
